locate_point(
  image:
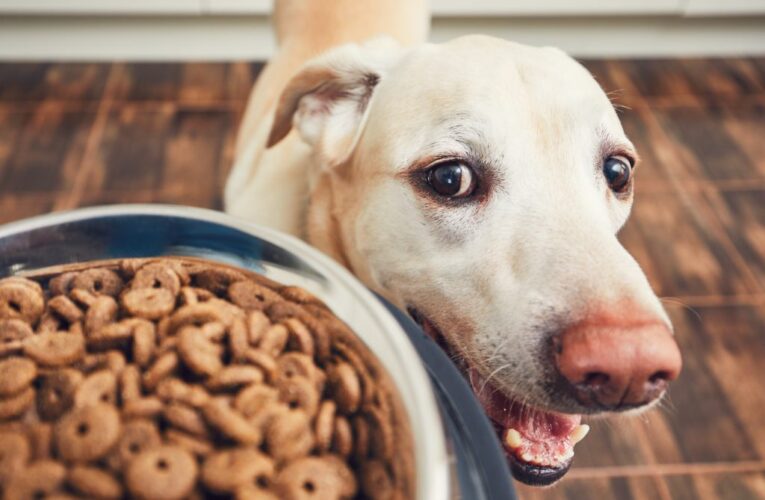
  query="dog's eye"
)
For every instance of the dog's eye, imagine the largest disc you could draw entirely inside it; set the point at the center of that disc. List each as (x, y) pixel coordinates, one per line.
(618, 172)
(452, 179)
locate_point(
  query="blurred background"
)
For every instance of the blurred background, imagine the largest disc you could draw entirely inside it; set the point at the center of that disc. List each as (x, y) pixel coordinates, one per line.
(105, 101)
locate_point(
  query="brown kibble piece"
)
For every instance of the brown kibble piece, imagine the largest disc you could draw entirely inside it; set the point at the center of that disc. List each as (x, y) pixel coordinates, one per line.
(137, 436)
(376, 481)
(342, 437)
(19, 301)
(148, 303)
(162, 367)
(345, 387)
(157, 275)
(325, 424)
(230, 423)
(225, 471)
(186, 419)
(255, 398)
(98, 281)
(14, 454)
(56, 393)
(274, 340)
(38, 480)
(101, 312)
(55, 348)
(217, 280)
(15, 375)
(98, 387)
(199, 354)
(87, 433)
(325, 477)
(93, 482)
(15, 405)
(40, 440)
(65, 308)
(250, 295)
(289, 436)
(234, 376)
(165, 472)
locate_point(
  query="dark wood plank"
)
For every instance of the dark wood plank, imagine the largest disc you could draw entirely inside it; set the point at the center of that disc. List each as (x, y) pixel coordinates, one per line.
(20, 82)
(743, 215)
(682, 248)
(184, 83)
(48, 142)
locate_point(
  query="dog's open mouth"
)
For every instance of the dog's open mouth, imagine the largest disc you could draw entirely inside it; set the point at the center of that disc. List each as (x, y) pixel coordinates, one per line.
(539, 444)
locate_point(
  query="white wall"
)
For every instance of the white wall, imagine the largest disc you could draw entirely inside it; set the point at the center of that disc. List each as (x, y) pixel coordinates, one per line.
(239, 29)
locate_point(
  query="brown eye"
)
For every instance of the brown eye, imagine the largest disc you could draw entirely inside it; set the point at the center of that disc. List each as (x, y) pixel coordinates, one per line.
(452, 179)
(618, 172)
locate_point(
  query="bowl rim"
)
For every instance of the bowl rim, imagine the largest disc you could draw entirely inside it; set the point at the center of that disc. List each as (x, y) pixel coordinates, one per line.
(428, 433)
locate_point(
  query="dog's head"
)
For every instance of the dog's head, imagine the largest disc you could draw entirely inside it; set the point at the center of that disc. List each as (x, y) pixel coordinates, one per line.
(480, 184)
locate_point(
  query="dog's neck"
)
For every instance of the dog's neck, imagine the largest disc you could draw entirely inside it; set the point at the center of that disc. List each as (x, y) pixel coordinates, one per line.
(323, 226)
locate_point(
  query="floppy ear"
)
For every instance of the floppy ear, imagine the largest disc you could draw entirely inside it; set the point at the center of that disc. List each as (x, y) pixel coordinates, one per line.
(327, 100)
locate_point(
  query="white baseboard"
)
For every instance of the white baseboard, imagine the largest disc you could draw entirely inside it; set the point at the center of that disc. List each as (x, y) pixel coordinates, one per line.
(228, 37)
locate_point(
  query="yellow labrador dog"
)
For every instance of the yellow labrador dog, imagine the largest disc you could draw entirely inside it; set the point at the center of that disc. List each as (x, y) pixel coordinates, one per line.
(478, 184)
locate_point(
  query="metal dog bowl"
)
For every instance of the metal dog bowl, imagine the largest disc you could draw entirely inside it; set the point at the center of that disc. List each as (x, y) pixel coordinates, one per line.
(456, 451)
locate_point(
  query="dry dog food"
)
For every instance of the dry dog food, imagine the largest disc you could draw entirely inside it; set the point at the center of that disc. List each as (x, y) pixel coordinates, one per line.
(178, 378)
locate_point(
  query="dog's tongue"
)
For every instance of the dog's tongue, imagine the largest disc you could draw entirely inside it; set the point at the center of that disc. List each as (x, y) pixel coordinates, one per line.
(533, 436)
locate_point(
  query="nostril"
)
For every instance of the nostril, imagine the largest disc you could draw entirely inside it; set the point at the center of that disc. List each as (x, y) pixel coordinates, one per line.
(659, 377)
(596, 379)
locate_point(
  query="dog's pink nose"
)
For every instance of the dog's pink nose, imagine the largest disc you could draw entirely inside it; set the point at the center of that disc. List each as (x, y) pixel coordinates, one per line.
(612, 366)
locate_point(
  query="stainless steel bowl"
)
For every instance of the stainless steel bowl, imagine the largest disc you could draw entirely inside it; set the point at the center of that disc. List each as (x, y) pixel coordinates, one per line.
(151, 230)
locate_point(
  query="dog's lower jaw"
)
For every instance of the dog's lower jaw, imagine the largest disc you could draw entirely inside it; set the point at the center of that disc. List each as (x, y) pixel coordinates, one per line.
(539, 444)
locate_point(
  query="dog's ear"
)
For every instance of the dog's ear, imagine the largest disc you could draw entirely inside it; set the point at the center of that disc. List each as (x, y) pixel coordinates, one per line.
(327, 100)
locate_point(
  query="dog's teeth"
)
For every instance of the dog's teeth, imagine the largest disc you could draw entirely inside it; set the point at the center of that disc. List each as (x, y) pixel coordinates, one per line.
(513, 438)
(579, 433)
(527, 457)
(568, 455)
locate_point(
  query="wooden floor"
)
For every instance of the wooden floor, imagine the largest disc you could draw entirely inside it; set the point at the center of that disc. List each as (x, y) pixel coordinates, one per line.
(86, 134)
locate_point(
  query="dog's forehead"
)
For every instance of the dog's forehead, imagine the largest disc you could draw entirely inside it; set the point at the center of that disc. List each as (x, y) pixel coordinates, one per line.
(506, 93)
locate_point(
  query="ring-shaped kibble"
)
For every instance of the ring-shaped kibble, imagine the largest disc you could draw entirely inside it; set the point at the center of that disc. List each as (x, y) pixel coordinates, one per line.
(40, 479)
(199, 354)
(88, 433)
(98, 387)
(56, 394)
(250, 295)
(62, 284)
(55, 349)
(144, 342)
(98, 281)
(323, 477)
(195, 315)
(253, 399)
(148, 303)
(138, 435)
(289, 436)
(13, 330)
(234, 376)
(16, 374)
(196, 445)
(297, 364)
(166, 472)
(18, 301)
(225, 471)
(299, 393)
(157, 275)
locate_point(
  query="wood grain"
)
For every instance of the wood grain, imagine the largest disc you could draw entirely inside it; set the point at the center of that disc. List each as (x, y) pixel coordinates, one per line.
(87, 134)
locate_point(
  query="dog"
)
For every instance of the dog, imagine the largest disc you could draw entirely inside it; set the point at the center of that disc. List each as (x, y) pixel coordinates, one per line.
(478, 184)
